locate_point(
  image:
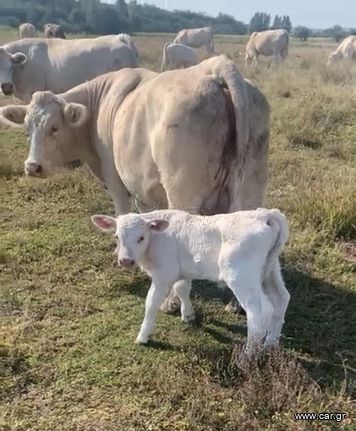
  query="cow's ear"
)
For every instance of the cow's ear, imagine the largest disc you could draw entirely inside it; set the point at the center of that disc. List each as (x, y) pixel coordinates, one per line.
(13, 114)
(105, 223)
(18, 59)
(158, 225)
(75, 114)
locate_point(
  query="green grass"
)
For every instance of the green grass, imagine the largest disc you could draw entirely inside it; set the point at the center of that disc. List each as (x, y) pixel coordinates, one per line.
(69, 317)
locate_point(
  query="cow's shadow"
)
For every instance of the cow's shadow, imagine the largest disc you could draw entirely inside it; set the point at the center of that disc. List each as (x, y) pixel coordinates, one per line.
(320, 322)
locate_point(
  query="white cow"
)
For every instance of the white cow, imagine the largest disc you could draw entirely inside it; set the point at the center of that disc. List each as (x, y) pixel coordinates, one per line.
(193, 139)
(269, 43)
(27, 30)
(176, 56)
(197, 37)
(346, 50)
(241, 249)
(57, 65)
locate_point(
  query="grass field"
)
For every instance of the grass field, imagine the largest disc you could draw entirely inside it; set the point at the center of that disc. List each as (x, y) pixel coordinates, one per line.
(69, 317)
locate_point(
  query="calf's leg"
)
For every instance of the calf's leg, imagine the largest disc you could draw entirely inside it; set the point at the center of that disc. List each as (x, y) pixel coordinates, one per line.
(279, 297)
(182, 289)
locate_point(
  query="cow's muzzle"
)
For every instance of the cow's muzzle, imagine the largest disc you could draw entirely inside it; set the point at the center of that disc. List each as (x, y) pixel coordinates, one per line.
(33, 169)
(7, 88)
(127, 263)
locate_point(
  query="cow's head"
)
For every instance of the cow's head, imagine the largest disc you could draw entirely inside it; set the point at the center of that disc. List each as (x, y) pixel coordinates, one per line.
(52, 126)
(334, 57)
(133, 235)
(8, 62)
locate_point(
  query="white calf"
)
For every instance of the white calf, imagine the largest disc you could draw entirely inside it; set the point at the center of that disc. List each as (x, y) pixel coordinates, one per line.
(176, 56)
(242, 249)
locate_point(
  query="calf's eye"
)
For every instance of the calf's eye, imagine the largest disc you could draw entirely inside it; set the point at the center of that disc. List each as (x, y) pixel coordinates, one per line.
(54, 129)
(140, 239)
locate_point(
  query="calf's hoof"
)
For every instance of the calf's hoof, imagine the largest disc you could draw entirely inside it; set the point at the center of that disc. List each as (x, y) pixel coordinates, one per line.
(189, 318)
(141, 340)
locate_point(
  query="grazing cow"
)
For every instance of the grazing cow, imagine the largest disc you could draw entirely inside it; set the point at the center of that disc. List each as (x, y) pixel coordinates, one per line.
(242, 249)
(346, 50)
(53, 31)
(27, 30)
(57, 65)
(128, 40)
(269, 42)
(197, 37)
(194, 139)
(176, 56)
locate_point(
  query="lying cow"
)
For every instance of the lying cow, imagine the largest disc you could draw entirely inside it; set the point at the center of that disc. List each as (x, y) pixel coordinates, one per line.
(197, 37)
(346, 50)
(30, 65)
(53, 31)
(194, 139)
(242, 249)
(269, 43)
(27, 30)
(176, 56)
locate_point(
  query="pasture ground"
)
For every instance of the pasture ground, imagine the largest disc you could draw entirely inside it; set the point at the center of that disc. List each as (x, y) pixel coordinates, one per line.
(69, 318)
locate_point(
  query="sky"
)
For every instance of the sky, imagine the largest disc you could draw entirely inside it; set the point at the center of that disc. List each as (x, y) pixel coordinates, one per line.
(311, 13)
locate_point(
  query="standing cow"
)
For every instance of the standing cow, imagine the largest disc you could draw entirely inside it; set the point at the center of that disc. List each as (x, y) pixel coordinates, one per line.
(346, 50)
(193, 139)
(57, 65)
(53, 31)
(197, 37)
(27, 30)
(269, 43)
(128, 40)
(176, 56)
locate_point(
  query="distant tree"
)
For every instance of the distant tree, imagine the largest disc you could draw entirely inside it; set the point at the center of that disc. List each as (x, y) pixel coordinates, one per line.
(277, 22)
(259, 22)
(302, 33)
(286, 23)
(336, 32)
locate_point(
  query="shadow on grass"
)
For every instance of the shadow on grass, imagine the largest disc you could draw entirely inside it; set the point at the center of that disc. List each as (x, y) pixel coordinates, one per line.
(320, 322)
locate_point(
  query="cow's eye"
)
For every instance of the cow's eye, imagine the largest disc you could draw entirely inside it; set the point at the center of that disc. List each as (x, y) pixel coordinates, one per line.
(140, 239)
(54, 129)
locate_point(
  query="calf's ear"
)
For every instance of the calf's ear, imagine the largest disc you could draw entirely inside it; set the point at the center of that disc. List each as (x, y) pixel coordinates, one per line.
(75, 114)
(104, 223)
(13, 115)
(19, 59)
(158, 225)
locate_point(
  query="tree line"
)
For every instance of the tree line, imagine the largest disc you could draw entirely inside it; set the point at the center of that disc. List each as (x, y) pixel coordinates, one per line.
(92, 16)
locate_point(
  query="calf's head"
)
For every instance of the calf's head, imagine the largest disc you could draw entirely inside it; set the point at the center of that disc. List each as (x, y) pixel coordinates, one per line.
(52, 126)
(8, 62)
(133, 235)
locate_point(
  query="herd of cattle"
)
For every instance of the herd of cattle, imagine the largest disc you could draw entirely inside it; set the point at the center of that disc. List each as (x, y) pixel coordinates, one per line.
(194, 139)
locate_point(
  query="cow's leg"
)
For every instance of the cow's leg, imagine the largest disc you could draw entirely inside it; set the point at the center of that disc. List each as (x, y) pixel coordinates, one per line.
(278, 295)
(154, 299)
(182, 289)
(246, 286)
(118, 192)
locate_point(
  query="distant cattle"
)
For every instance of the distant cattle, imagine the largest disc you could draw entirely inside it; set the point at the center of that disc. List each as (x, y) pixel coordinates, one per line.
(197, 37)
(269, 43)
(176, 56)
(57, 65)
(53, 31)
(194, 139)
(242, 249)
(346, 50)
(27, 30)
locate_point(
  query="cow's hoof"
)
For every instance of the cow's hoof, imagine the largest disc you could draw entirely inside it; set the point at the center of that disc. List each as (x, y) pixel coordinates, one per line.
(233, 307)
(189, 318)
(170, 306)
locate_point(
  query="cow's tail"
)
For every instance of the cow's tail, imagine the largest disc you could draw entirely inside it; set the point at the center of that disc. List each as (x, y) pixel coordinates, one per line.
(164, 57)
(284, 53)
(279, 225)
(226, 73)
